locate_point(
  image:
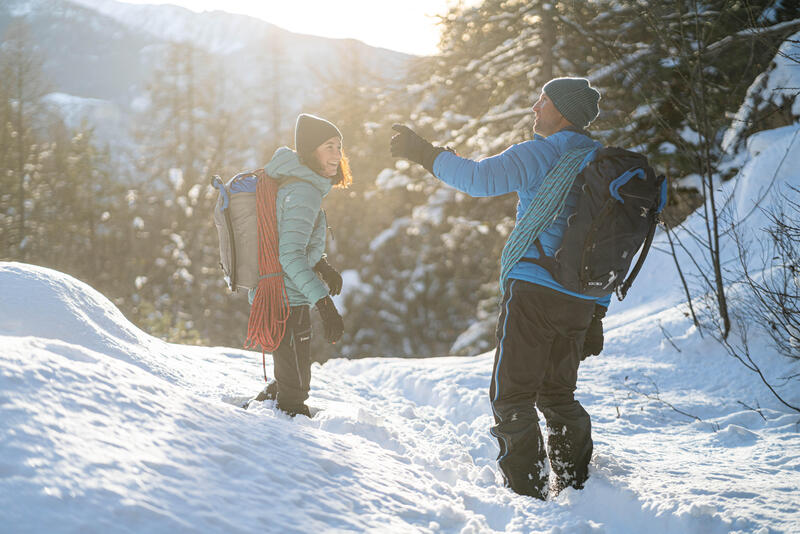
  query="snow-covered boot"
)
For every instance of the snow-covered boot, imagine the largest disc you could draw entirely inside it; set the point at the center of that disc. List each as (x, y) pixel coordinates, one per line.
(569, 446)
(296, 410)
(270, 392)
(522, 458)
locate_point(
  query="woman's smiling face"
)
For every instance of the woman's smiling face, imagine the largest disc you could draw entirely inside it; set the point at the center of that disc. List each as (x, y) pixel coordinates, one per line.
(328, 155)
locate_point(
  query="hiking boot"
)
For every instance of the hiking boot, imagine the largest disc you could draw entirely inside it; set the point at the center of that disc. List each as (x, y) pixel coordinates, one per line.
(531, 481)
(268, 393)
(292, 411)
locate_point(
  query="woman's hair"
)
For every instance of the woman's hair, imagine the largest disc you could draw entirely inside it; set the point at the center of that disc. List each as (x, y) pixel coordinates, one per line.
(343, 175)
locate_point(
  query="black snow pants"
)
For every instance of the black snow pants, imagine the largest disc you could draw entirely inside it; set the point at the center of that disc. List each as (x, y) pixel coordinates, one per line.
(540, 335)
(292, 362)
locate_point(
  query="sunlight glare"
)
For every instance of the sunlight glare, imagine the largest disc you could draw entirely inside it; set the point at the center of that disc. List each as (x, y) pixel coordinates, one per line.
(410, 26)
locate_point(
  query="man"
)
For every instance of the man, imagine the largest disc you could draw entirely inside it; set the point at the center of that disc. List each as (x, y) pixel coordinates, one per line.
(544, 330)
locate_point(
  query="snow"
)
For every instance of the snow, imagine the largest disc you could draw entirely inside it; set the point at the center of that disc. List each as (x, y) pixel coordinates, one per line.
(389, 179)
(352, 281)
(74, 110)
(776, 85)
(398, 225)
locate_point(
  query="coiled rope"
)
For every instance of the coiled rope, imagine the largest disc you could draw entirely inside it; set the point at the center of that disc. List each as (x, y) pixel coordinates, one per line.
(270, 309)
(543, 209)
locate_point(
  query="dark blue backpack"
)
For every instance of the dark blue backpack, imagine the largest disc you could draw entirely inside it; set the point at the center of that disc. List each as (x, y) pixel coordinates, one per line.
(617, 213)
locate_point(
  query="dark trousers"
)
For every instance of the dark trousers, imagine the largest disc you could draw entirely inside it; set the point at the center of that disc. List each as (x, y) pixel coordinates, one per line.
(540, 336)
(292, 361)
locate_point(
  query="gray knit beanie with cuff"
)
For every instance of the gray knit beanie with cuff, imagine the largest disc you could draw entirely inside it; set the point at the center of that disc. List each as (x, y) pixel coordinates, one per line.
(575, 99)
(311, 131)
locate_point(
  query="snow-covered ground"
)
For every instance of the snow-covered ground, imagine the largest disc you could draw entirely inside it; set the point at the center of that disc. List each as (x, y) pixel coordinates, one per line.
(106, 429)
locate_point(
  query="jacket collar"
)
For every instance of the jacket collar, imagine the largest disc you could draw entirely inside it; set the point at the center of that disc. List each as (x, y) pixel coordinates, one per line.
(575, 129)
(570, 128)
(286, 163)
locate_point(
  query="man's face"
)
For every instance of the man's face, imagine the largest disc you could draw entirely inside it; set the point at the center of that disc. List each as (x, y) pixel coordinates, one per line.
(547, 119)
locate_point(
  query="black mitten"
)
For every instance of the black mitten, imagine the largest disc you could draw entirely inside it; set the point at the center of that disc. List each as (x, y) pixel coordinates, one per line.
(593, 343)
(329, 275)
(334, 325)
(408, 145)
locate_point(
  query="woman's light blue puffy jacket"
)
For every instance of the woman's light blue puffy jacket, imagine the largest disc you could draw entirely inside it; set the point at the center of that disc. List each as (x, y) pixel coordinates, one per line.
(301, 226)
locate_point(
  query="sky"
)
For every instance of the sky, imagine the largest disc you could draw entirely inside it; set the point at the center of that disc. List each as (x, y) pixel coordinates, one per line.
(408, 26)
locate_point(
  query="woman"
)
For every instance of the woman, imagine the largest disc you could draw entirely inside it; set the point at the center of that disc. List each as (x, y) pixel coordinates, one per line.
(315, 167)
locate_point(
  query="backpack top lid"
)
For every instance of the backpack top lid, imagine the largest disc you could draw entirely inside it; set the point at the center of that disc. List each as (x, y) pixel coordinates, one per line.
(244, 182)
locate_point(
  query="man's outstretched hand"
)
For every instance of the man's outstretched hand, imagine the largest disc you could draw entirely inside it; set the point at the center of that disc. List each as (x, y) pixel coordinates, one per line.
(407, 144)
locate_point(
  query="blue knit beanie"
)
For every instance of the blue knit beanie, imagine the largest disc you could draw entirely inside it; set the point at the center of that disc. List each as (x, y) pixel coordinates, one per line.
(575, 99)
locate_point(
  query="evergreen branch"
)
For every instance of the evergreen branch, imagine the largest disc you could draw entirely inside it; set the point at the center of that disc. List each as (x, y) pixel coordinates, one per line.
(751, 33)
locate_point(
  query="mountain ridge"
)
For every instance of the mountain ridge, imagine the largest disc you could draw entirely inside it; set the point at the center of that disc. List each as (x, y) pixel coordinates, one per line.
(104, 51)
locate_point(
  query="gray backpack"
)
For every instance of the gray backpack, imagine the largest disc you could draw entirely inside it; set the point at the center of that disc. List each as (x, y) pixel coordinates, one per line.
(236, 219)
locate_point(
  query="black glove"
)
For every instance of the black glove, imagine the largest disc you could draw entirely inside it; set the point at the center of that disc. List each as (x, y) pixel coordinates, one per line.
(593, 343)
(408, 145)
(334, 326)
(329, 275)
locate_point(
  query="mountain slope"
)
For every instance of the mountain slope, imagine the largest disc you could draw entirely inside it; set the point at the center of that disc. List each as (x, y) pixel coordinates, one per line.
(107, 51)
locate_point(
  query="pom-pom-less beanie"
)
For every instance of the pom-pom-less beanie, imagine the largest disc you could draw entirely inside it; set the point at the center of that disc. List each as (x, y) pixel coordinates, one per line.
(311, 131)
(575, 99)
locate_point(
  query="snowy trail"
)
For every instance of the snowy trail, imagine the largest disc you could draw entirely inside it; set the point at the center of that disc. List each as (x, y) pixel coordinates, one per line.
(107, 429)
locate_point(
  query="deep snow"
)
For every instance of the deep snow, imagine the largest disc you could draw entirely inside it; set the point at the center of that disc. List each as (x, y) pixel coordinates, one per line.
(104, 428)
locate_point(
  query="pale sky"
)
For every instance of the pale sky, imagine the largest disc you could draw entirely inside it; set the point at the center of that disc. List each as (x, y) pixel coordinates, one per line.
(405, 25)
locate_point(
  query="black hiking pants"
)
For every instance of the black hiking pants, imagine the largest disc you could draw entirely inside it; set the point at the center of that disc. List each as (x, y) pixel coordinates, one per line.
(540, 335)
(292, 361)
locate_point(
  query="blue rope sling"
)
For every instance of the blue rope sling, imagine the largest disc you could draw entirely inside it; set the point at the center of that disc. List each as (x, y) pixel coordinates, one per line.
(544, 209)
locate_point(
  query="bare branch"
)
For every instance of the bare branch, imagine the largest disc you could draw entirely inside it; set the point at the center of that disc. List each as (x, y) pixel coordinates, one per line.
(656, 397)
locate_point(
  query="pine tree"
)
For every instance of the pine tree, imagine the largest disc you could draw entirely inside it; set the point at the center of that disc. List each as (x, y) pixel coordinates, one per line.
(21, 87)
(186, 134)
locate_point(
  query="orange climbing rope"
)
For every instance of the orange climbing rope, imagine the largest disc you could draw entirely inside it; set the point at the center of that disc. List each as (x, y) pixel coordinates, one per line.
(270, 309)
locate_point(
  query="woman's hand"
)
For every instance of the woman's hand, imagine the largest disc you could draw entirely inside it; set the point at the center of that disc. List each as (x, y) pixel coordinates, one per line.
(329, 275)
(334, 325)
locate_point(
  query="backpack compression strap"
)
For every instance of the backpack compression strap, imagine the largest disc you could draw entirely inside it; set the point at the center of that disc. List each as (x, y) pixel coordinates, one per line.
(217, 183)
(544, 208)
(622, 290)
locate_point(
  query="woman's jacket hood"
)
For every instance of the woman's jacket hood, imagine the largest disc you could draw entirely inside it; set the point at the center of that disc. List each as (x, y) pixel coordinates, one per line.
(285, 163)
